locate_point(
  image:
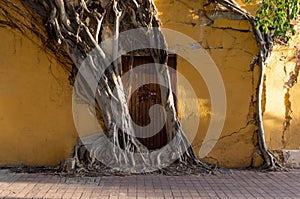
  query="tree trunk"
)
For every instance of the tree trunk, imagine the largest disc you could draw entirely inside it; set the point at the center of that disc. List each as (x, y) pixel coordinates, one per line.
(81, 27)
(74, 32)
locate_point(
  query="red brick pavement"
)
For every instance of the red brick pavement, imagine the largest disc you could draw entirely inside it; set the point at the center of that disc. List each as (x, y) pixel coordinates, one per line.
(239, 184)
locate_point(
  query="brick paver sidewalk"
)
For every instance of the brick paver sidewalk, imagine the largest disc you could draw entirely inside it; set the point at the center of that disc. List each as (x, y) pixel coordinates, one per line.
(239, 184)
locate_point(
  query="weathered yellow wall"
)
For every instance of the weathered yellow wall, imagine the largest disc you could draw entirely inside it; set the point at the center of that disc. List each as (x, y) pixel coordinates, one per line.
(35, 104)
(36, 118)
(282, 110)
(35, 96)
(232, 45)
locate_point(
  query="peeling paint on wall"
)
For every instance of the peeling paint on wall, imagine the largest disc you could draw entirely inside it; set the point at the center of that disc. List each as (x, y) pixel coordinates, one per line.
(282, 94)
(226, 36)
(229, 39)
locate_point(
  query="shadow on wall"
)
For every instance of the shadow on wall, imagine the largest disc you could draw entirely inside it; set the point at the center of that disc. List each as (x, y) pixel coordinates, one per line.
(35, 104)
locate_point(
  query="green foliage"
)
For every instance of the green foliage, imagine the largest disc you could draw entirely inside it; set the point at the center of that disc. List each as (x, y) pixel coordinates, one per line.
(277, 15)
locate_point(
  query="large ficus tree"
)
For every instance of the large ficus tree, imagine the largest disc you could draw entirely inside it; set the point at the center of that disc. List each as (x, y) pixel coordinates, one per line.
(72, 30)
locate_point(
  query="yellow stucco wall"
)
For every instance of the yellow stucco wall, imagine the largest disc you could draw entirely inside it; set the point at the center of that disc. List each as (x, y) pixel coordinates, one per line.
(36, 120)
(35, 104)
(232, 45)
(282, 110)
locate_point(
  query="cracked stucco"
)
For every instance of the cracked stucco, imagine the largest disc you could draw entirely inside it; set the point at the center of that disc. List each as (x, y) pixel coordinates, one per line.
(282, 112)
(230, 41)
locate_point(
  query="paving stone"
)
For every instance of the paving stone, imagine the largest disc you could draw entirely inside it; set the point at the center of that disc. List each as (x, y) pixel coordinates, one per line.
(238, 184)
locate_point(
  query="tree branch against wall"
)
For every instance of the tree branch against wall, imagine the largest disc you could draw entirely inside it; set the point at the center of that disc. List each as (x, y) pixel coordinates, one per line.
(277, 18)
(71, 30)
(78, 28)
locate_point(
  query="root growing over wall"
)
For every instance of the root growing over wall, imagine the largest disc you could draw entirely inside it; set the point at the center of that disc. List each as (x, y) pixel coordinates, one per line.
(79, 27)
(73, 31)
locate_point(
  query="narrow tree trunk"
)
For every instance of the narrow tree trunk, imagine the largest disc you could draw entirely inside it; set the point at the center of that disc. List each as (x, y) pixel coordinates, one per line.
(265, 48)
